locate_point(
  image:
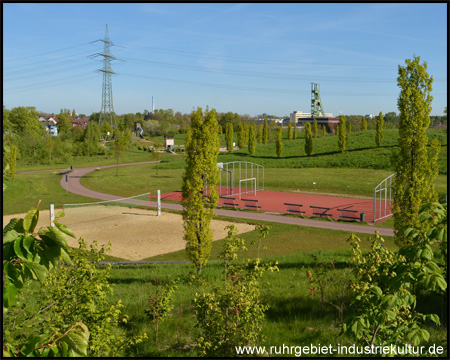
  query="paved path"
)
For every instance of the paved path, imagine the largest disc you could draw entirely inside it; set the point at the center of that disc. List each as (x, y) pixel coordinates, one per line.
(74, 186)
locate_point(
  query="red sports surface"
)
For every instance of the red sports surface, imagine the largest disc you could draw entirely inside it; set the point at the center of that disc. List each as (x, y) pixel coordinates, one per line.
(274, 201)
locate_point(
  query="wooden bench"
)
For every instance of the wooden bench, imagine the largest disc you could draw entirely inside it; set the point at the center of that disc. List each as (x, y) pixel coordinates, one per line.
(229, 202)
(320, 211)
(294, 208)
(251, 204)
(349, 214)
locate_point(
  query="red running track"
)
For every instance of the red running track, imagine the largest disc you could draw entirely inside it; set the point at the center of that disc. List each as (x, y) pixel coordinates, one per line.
(273, 201)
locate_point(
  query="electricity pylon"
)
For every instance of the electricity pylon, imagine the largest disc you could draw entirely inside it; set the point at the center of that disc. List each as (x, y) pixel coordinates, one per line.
(107, 113)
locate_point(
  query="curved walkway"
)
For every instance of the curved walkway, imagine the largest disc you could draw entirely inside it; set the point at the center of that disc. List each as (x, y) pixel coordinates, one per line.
(74, 186)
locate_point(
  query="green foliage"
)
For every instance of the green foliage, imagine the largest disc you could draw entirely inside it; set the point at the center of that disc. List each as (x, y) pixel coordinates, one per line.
(349, 127)
(202, 147)
(380, 126)
(252, 139)
(64, 124)
(263, 232)
(241, 135)
(120, 145)
(308, 139)
(324, 131)
(295, 130)
(24, 119)
(13, 161)
(289, 130)
(259, 133)
(314, 128)
(364, 124)
(160, 303)
(415, 167)
(233, 315)
(384, 291)
(229, 136)
(279, 141)
(342, 137)
(29, 255)
(333, 286)
(265, 135)
(82, 293)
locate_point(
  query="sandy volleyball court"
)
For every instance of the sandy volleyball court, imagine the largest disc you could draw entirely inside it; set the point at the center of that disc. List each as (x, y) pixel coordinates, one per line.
(135, 234)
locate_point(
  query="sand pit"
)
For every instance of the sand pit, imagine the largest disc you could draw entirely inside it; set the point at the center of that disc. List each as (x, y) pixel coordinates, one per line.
(135, 234)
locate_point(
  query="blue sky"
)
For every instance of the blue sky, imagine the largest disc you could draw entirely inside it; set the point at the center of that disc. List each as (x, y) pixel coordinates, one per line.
(244, 58)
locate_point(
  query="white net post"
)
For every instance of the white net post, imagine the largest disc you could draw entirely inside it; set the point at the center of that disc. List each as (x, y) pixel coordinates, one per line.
(158, 207)
(52, 214)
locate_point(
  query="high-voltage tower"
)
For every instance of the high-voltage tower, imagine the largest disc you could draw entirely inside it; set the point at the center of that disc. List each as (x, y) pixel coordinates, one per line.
(316, 103)
(107, 113)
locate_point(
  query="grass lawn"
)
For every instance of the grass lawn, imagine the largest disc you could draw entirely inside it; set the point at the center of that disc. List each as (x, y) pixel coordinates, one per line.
(294, 317)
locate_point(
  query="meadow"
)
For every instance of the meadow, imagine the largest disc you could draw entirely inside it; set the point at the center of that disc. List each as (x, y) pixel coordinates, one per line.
(294, 317)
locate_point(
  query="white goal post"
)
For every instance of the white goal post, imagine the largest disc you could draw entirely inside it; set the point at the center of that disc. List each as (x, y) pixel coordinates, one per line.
(252, 182)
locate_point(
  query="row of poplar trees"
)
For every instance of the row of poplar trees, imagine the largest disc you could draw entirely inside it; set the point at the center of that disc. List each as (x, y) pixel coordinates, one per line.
(416, 166)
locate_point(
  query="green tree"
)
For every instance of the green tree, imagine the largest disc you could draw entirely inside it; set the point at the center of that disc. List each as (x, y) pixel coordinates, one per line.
(74, 113)
(24, 119)
(289, 130)
(364, 124)
(349, 127)
(252, 139)
(91, 138)
(265, 132)
(105, 129)
(279, 141)
(232, 315)
(324, 131)
(7, 126)
(202, 148)
(391, 117)
(342, 140)
(416, 168)
(229, 136)
(241, 135)
(379, 133)
(259, 133)
(315, 128)
(64, 124)
(295, 130)
(119, 147)
(308, 139)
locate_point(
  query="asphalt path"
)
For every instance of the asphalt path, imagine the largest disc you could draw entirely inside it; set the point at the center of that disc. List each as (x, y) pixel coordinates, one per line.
(74, 185)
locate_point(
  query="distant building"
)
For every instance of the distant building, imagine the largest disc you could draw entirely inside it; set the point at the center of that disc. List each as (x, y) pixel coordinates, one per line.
(50, 123)
(370, 116)
(300, 118)
(77, 122)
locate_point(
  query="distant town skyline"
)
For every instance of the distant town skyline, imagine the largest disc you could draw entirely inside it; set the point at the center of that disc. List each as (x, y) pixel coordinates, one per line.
(244, 58)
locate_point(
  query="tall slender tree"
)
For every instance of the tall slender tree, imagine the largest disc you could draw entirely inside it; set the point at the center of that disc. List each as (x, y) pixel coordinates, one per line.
(259, 133)
(241, 135)
(315, 128)
(202, 148)
(265, 132)
(380, 125)
(342, 139)
(324, 131)
(416, 168)
(289, 130)
(308, 139)
(364, 124)
(229, 135)
(279, 141)
(252, 139)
